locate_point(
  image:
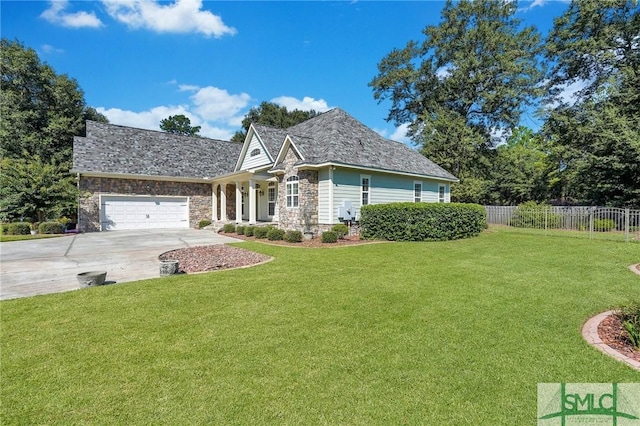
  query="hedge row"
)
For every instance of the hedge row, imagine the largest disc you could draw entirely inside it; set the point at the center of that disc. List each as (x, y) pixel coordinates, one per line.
(422, 221)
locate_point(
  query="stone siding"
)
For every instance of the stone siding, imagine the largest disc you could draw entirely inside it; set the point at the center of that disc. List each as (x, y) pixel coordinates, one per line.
(92, 187)
(305, 216)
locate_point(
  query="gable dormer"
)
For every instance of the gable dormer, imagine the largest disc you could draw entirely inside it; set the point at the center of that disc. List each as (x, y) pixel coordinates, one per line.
(254, 153)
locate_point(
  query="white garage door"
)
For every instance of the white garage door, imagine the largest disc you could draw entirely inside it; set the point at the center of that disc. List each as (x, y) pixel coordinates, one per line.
(125, 212)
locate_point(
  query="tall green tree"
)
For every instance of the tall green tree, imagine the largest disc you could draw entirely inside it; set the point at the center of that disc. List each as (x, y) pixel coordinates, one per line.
(40, 111)
(273, 115)
(179, 125)
(35, 190)
(473, 73)
(522, 169)
(596, 44)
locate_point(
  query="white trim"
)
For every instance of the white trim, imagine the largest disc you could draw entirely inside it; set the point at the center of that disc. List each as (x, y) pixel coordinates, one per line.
(306, 166)
(331, 221)
(284, 148)
(421, 197)
(143, 177)
(291, 182)
(368, 191)
(444, 193)
(245, 147)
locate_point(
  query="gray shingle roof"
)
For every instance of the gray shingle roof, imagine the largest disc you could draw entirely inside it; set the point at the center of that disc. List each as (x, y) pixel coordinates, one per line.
(271, 137)
(109, 148)
(336, 137)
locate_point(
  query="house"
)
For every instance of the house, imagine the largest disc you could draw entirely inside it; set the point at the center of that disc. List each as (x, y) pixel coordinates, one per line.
(311, 175)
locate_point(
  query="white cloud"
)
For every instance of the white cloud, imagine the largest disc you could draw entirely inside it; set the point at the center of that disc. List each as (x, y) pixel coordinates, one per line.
(56, 15)
(400, 134)
(49, 49)
(214, 104)
(188, 87)
(182, 16)
(306, 104)
(146, 119)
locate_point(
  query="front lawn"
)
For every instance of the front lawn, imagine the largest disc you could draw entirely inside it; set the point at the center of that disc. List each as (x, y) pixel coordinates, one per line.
(440, 333)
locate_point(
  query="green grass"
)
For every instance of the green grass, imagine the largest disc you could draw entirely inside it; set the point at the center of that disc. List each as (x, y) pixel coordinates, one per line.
(439, 333)
(9, 238)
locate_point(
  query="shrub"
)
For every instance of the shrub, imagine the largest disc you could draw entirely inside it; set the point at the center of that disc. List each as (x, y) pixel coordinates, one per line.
(535, 216)
(275, 234)
(3, 228)
(341, 230)
(604, 225)
(228, 228)
(204, 223)
(260, 232)
(329, 237)
(421, 221)
(50, 228)
(248, 231)
(240, 230)
(293, 236)
(19, 228)
(630, 316)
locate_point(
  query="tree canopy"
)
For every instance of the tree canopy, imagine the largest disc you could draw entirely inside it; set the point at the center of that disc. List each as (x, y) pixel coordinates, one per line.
(274, 115)
(473, 74)
(40, 113)
(596, 44)
(180, 125)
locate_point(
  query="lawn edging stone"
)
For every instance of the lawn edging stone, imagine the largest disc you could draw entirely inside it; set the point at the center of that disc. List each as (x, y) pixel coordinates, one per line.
(590, 334)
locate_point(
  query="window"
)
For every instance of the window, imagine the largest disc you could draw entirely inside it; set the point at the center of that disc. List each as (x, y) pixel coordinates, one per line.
(441, 193)
(292, 191)
(272, 198)
(255, 152)
(364, 190)
(417, 192)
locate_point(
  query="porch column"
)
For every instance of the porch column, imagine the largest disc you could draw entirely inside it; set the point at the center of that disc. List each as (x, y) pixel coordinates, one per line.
(238, 202)
(223, 202)
(252, 202)
(214, 203)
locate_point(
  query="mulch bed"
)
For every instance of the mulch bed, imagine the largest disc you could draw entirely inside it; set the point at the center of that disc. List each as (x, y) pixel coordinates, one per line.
(613, 335)
(213, 258)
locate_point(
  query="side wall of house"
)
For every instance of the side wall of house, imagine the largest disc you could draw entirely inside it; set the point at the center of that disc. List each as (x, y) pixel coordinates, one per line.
(199, 194)
(383, 188)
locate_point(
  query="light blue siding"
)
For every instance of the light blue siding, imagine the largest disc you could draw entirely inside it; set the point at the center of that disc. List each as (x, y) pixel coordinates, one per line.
(261, 159)
(324, 196)
(384, 188)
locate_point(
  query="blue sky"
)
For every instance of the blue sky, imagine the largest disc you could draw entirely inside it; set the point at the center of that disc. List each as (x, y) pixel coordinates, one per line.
(139, 61)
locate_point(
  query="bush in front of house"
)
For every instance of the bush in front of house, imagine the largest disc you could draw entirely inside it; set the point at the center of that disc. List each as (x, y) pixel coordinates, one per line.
(229, 228)
(329, 237)
(536, 216)
(341, 230)
(260, 232)
(275, 234)
(248, 231)
(50, 228)
(204, 223)
(293, 236)
(422, 221)
(240, 230)
(604, 225)
(17, 228)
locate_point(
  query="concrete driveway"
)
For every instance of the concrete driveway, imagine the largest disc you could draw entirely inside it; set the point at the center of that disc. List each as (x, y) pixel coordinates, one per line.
(51, 265)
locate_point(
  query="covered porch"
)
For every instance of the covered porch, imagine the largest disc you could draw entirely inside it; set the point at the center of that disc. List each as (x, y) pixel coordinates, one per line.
(245, 198)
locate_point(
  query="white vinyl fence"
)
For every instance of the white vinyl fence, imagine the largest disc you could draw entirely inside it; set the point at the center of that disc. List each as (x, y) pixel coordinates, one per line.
(591, 222)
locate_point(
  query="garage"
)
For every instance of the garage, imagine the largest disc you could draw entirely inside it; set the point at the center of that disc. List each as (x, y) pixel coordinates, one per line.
(130, 212)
